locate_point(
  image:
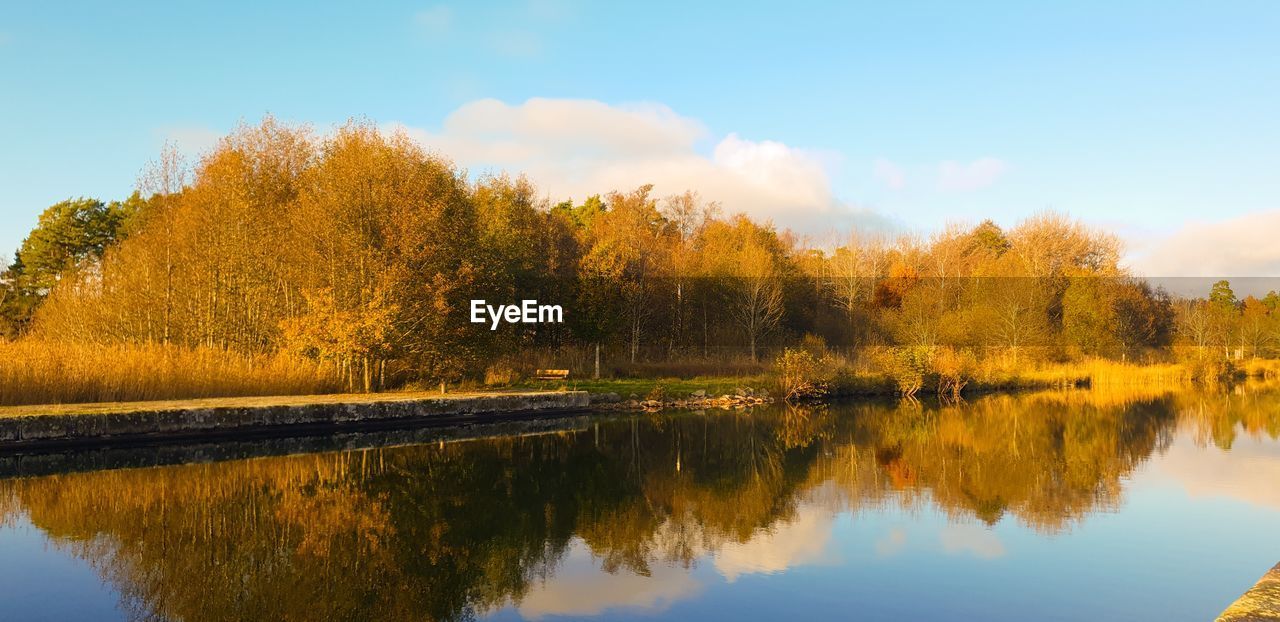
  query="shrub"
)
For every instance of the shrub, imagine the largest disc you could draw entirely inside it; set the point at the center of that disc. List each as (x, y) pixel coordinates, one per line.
(814, 344)
(907, 366)
(501, 374)
(954, 369)
(658, 393)
(800, 375)
(1208, 365)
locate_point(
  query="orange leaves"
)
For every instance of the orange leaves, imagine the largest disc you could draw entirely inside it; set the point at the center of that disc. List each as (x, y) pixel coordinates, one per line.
(330, 332)
(890, 292)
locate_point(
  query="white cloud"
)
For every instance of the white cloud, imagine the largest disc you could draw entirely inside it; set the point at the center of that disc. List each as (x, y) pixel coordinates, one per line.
(889, 173)
(435, 21)
(1243, 246)
(576, 148)
(579, 588)
(961, 177)
(190, 140)
(775, 168)
(802, 540)
(1247, 473)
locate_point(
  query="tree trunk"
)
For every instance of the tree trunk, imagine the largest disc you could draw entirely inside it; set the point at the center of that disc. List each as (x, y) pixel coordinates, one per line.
(635, 340)
(705, 329)
(596, 374)
(678, 325)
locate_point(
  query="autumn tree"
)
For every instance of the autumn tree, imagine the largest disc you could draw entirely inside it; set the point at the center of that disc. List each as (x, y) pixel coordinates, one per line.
(1052, 244)
(629, 241)
(1257, 325)
(750, 262)
(387, 232)
(849, 276)
(1144, 317)
(689, 216)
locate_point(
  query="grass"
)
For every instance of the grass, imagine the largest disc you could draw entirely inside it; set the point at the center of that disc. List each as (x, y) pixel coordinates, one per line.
(640, 387)
(1091, 372)
(1261, 368)
(863, 380)
(860, 378)
(54, 372)
(121, 376)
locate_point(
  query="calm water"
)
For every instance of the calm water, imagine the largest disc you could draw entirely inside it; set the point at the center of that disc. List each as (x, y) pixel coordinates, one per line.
(1056, 506)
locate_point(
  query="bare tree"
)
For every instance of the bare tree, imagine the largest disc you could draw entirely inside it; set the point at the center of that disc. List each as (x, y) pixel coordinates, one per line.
(163, 180)
(851, 273)
(1194, 323)
(758, 294)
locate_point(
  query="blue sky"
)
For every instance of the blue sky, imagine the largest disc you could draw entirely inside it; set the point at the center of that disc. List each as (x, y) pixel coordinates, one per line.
(1156, 119)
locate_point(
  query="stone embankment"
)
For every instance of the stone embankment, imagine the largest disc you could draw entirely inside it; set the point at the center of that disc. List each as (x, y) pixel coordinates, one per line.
(236, 416)
(698, 400)
(1258, 604)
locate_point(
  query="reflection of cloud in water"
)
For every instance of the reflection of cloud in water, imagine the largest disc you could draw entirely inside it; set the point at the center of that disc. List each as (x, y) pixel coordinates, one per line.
(579, 588)
(801, 540)
(971, 538)
(892, 543)
(1248, 472)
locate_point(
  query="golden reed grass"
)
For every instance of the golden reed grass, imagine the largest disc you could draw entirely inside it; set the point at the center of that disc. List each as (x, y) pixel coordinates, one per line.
(51, 372)
(1261, 368)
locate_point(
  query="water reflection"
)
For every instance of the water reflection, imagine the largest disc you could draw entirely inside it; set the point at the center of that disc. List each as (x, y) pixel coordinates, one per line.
(635, 513)
(579, 588)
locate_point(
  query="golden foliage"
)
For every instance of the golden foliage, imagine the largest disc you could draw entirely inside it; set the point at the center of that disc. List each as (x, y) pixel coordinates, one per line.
(362, 250)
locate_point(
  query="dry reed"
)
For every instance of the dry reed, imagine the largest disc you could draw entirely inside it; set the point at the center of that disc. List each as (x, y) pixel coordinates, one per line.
(52, 372)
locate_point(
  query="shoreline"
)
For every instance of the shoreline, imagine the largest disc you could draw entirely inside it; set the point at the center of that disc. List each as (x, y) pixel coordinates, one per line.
(56, 426)
(43, 460)
(26, 427)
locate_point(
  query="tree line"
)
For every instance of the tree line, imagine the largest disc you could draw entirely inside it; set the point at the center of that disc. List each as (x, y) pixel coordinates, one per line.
(362, 249)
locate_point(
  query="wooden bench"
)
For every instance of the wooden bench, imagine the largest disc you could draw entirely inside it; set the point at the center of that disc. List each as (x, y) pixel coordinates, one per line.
(551, 374)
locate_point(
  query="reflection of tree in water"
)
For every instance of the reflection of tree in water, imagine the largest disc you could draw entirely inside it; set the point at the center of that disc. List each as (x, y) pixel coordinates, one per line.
(1044, 461)
(10, 506)
(429, 531)
(1220, 418)
(447, 531)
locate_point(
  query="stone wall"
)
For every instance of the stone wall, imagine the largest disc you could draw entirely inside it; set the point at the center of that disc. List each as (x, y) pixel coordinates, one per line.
(1262, 602)
(231, 419)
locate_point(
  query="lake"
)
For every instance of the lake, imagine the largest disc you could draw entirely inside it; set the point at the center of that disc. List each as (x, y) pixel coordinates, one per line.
(1078, 505)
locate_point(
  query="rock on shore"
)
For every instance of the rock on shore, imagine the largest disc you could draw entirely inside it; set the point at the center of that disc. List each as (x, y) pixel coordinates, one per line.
(697, 400)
